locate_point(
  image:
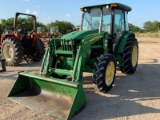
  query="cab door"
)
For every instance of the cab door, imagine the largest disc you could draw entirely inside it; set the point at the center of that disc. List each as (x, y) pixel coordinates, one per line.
(119, 23)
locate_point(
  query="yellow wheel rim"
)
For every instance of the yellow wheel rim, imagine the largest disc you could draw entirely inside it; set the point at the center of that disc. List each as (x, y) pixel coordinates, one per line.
(134, 56)
(109, 74)
(8, 52)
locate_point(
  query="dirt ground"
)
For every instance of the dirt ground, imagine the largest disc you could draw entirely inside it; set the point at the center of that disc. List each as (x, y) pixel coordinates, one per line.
(133, 97)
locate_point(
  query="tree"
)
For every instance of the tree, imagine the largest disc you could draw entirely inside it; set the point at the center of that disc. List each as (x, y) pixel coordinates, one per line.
(78, 27)
(134, 28)
(1, 29)
(156, 25)
(151, 26)
(7, 24)
(29, 23)
(62, 25)
(147, 26)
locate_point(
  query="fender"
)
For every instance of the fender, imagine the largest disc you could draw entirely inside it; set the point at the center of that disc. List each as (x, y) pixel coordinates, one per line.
(122, 41)
(120, 46)
(9, 36)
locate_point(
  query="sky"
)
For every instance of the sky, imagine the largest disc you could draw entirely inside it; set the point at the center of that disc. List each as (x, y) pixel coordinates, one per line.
(69, 10)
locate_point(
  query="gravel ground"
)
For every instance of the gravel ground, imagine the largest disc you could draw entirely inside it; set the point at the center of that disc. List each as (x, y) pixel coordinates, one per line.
(133, 97)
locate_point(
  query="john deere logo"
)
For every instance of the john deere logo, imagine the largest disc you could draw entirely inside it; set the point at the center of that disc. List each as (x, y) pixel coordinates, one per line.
(95, 38)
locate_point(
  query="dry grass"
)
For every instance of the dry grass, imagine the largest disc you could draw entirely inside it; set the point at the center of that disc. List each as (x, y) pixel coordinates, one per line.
(148, 37)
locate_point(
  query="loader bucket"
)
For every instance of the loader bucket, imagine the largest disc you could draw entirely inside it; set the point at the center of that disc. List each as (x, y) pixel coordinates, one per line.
(58, 98)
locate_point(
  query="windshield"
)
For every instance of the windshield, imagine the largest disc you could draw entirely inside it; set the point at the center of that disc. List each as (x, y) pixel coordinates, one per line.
(91, 19)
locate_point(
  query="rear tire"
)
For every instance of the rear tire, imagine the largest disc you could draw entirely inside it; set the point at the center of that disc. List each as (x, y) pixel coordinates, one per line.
(39, 52)
(130, 56)
(104, 72)
(12, 51)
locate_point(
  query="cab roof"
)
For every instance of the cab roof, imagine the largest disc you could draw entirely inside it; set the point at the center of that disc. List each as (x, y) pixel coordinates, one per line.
(112, 5)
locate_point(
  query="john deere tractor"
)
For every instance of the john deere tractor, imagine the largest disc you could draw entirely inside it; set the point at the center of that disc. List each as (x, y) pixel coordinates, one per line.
(103, 44)
(21, 44)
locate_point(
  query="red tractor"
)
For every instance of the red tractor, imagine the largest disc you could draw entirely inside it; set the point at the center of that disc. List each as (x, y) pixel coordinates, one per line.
(21, 44)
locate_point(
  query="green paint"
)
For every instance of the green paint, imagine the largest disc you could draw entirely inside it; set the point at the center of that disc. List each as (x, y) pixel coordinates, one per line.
(63, 52)
(120, 46)
(38, 84)
(123, 41)
(78, 35)
(60, 71)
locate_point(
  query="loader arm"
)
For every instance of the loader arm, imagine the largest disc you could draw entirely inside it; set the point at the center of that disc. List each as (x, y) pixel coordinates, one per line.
(80, 60)
(83, 53)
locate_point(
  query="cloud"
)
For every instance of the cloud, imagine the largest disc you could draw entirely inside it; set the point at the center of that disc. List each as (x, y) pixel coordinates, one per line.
(49, 17)
(25, 0)
(31, 12)
(35, 12)
(27, 11)
(68, 15)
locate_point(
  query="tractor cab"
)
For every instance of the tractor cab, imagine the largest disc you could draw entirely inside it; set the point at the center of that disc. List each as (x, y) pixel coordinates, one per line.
(40, 29)
(111, 18)
(41, 32)
(54, 30)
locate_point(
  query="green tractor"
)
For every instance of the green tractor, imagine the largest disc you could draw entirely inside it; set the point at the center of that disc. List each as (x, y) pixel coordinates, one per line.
(103, 44)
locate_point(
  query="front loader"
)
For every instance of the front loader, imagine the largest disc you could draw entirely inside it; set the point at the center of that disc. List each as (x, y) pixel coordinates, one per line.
(103, 44)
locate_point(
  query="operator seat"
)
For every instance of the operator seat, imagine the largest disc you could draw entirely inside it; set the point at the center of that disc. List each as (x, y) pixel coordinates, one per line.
(24, 30)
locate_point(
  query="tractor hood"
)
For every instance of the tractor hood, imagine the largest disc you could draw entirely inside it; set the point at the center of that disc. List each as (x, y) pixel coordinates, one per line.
(79, 34)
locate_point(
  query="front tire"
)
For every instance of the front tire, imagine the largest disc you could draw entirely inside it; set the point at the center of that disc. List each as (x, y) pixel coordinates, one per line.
(12, 51)
(104, 72)
(130, 56)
